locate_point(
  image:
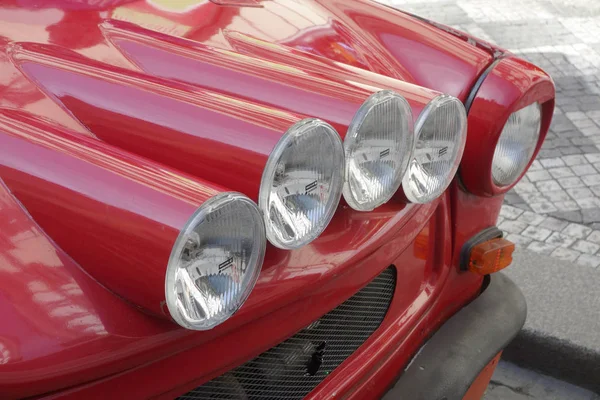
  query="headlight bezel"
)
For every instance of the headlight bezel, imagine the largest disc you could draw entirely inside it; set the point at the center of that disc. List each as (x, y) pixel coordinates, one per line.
(351, 145)
(509, 84)
(204, 212)
(426, 116)
(532, 140)
(270, 170)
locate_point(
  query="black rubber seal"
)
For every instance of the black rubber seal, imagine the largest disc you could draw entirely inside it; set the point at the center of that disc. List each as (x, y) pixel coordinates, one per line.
(449, 362)
(479, 82)
(465, 253)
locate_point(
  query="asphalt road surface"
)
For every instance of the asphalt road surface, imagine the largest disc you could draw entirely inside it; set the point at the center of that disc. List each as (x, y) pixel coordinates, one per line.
(511, 382)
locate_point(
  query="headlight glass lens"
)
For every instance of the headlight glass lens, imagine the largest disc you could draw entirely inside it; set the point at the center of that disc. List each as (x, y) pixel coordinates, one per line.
(516, 144)
(441, 132)
(215, 261)
(378, 148)
(302, 184)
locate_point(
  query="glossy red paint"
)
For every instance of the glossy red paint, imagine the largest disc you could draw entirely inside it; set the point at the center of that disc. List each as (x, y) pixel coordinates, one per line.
(117, 99)
(158, 118)
(421, 303)
(511, 85)
(56, 320)
(332, 96)
(430, 57)
(103, 206)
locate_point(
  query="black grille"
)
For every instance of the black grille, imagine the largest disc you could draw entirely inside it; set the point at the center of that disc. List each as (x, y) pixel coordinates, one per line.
(296, 366)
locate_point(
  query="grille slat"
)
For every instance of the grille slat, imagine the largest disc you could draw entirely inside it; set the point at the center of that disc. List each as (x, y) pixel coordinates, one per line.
(281, 372)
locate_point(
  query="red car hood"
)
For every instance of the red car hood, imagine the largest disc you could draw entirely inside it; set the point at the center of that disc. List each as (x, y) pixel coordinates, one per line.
(78, 71)
(355, 32)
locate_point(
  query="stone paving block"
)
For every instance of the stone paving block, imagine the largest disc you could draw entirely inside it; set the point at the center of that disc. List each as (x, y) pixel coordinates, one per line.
(572, 216)
(582, 142)
(513, 226)
(578, 193)
(534, 197)
(548, 33)
(535, 176)
(594, 237)
(563, 127)
(594, 116)
(523, 206)
(595, 190)
(476, 31)
(588, 202)
(583, 169)
(569, 107)
(557, 196)
(550, 144)
(553, 162)
(554, 224)
(564, 172)
(570, 150)
(572, 182)
(569, 205)
(585, 247)
(591, 215)
(512, 197)
(519, 240)
(510, 212)
(576, 116)
(526, 187)
(545, 153)
(537, 233)
(535, 166)
(574, 160)
(591, 130)
(543, 207)
(587, 260)
(531, 218)
(593, 158)
(548, 186)
(583, 123)
(565, 254)
(591, 180)
(541, 247)
(560, 240)
(508, 10)
(576, 231)
(448, 11)
(585, 29)
(590, 148)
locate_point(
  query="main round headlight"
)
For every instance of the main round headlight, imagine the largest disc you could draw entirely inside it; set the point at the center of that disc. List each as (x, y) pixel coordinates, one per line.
(378, 148)
(441, 132)
(215, 261)
(302, 183)
(516, 144)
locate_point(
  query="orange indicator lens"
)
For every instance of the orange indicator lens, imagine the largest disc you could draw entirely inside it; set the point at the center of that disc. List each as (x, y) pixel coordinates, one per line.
(491, 256)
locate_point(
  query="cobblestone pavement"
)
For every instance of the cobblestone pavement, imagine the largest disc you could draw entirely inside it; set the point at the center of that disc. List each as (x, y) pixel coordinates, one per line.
(513, 383)
(555, 209)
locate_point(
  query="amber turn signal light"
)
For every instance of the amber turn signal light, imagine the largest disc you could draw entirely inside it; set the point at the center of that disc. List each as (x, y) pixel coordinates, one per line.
(491, 256)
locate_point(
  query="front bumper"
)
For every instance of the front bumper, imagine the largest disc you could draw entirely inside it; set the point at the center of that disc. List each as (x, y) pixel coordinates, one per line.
(453, 357)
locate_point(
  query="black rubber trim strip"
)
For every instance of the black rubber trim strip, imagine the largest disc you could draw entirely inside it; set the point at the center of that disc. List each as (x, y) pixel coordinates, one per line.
(449, 362)
(479, 82)
(471, 98)
(487, 234)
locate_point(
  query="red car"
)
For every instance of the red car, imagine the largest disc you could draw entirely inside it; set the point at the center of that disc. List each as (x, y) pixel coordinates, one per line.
(255, 199)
